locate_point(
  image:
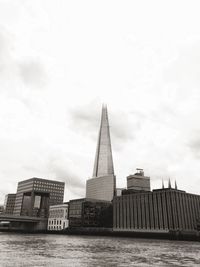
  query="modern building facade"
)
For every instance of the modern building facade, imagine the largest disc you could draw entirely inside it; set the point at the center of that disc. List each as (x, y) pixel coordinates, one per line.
(58, 217)
(35, 195)
(138, 182)
(160, 210)
(102, 185)
(90, 213)
(9, 203)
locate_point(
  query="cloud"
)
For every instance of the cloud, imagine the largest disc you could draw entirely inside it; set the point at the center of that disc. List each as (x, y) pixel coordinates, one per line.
(184, 69)
(151, 87)
(123, 125)
(194, 145)
(32, 73)
(18, 73)
(62, 169)
(8, 66)
(84, 118)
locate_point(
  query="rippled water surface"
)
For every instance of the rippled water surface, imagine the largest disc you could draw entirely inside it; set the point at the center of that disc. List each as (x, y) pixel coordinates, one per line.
(61, 250)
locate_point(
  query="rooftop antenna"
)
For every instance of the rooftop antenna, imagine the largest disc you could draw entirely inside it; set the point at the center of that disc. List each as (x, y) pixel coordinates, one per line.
(176, 185)
(169, 183)
(163, 186)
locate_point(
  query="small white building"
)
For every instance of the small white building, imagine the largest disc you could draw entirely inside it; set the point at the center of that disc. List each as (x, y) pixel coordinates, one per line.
(58, 217)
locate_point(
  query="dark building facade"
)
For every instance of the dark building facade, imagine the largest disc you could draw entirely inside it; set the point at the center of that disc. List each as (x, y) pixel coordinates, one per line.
(90, 213)
(159, 210)
(35, 195)
(9, 203)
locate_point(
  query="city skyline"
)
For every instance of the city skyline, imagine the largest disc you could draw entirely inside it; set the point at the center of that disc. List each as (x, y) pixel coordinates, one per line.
(61, 65)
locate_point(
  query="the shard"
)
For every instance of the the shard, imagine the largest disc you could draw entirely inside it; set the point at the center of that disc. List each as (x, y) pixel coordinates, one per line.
(103, 165)
(102, 185)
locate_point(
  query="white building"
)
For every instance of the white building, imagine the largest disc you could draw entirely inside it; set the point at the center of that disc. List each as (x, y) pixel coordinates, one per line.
(58, 217)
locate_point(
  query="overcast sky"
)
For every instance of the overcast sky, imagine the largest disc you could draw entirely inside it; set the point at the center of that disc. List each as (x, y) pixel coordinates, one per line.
(60, 60)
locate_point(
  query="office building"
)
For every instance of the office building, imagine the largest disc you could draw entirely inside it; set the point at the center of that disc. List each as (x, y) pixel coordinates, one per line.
(35, 195)
(58, 217)
(9, 203)
(161, 210)
(103, 183)
(90, 213)
(138, 182)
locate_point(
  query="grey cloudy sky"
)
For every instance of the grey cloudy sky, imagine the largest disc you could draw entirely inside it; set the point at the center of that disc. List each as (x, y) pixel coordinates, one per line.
(60, 60)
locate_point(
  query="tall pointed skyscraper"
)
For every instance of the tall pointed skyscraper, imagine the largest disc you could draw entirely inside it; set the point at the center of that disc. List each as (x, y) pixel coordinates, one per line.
(103, 165)
(102, 184)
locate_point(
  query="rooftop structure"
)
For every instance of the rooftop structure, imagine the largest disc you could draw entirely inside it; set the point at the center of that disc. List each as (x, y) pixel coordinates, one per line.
(138, 182)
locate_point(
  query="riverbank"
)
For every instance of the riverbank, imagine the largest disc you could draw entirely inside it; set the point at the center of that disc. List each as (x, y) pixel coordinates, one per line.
(169, 235)
(92, 231)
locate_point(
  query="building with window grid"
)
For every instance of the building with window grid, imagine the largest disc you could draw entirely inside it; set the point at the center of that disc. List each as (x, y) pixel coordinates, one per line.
(58, 217)
(161, 210)
(87, 212)
(9, 203)
(35, 195)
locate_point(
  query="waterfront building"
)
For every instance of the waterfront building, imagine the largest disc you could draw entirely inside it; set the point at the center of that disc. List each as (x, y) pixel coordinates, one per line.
(86, 212)
(103, 183)
(58, 217)
(161, 210)
(9, 203)
(138, 182)
(35, 195)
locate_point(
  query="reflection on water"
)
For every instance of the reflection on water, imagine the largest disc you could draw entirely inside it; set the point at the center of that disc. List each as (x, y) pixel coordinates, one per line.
(62, 250)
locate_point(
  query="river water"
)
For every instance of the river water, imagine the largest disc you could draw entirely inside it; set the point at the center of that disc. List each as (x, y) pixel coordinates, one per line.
(62, 250)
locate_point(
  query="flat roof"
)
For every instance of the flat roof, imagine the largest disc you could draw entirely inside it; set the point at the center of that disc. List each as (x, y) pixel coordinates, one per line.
(42, 180)
(90, 199)
(59, 205)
